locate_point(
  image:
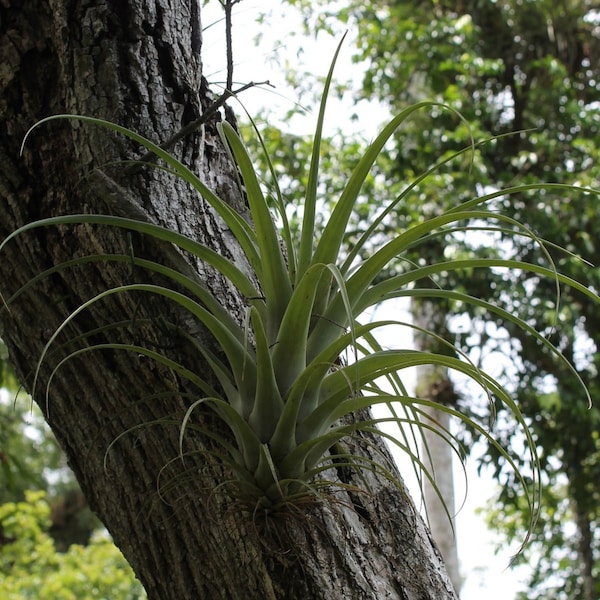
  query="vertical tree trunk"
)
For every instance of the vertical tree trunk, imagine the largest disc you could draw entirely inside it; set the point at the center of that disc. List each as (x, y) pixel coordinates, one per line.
(586, 553)
(434, 384)
(440, 503)
(582, 505)
(117, 415)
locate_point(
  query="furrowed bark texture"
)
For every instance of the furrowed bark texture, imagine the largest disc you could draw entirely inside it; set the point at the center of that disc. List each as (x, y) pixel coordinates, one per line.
(116, 414)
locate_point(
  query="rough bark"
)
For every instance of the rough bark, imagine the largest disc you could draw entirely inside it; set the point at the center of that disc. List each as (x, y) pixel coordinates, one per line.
(138, 63)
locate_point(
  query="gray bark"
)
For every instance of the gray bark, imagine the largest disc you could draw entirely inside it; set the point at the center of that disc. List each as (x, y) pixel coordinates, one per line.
(440, 502)
(138, 63)
(434, 384)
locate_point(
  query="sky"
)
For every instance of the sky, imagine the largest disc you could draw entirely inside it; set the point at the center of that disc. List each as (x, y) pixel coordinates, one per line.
(282, 46)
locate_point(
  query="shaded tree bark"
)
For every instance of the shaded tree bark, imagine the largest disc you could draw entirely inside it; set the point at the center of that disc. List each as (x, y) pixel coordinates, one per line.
(115, 414)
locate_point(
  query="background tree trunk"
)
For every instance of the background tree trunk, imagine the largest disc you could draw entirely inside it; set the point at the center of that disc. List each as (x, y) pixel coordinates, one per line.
(138, 63)
(433, 383)
(437, 457)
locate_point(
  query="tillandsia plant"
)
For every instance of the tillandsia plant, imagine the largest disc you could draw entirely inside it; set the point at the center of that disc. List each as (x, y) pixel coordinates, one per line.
(283, 392)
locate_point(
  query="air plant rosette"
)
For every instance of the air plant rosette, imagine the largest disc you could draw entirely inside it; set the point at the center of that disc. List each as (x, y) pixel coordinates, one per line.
(283, 392)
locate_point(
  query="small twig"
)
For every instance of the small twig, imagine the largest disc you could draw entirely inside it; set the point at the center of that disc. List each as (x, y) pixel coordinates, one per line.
(229, 41)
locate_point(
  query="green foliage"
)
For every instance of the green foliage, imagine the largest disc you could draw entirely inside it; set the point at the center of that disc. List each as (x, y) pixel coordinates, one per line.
(7, 377)
(30, 566)
(28, 450)
(559, 575)
(40, 500)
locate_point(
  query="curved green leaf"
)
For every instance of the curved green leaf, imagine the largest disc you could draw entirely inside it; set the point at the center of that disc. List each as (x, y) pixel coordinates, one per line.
(240, 229)
(274, 277)
(203, 253)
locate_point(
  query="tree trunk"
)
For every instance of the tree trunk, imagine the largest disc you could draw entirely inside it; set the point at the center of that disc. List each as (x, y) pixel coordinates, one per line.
(440, 502)
(434, 384)
(582, 506)
(117, 415)
(585, 549)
